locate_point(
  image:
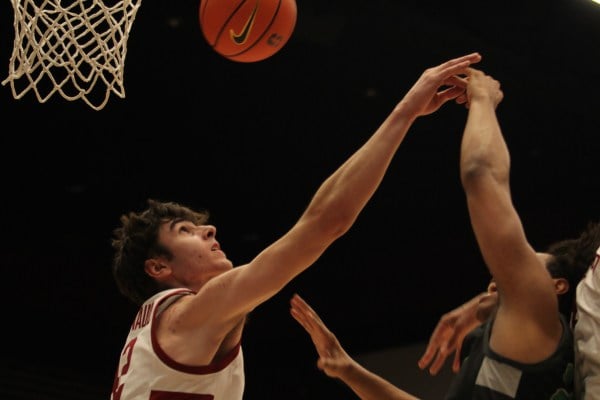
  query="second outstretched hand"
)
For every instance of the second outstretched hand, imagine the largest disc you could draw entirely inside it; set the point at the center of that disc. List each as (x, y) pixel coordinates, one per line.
(450, 331)
(336, 363)
(333, 359)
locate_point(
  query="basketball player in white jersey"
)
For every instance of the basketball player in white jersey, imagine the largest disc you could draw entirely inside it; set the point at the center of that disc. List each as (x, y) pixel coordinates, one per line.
(185, 342)
(587, 334)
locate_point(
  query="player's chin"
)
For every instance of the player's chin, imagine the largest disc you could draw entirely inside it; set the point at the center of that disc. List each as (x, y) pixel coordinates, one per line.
(222, 261)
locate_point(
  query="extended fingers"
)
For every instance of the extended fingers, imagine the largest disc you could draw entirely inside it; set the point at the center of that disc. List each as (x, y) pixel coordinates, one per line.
(310, 321)
(301, 313)
(438, 362)
(432, 348)
(456, 363)
(472, 58)
(307, 311)
(302, 320)
(458, 65)
(426, 357)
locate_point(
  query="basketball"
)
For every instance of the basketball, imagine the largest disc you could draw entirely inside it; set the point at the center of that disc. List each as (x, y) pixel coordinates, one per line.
(247, 30)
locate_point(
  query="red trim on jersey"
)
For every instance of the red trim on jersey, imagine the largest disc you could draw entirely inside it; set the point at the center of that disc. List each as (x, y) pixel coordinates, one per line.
(190, 369)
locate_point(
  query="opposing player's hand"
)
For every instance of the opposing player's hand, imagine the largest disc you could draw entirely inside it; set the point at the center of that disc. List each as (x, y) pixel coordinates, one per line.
(483, 87)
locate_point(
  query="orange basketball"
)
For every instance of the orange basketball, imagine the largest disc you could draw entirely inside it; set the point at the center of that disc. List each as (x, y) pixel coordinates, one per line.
(247, 30)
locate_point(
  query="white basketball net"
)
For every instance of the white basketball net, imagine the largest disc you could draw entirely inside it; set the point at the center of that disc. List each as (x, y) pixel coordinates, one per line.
(77, 50)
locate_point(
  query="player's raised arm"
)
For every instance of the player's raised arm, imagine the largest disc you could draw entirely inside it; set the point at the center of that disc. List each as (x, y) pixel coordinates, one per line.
(340, 198)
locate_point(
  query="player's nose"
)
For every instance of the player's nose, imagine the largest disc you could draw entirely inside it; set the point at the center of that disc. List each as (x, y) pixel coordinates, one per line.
(208, 231)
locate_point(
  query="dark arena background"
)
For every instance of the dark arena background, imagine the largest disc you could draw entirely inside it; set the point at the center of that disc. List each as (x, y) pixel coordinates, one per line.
(251, 142)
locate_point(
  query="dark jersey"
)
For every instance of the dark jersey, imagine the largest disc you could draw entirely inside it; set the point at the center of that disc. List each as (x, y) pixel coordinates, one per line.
(485, 375)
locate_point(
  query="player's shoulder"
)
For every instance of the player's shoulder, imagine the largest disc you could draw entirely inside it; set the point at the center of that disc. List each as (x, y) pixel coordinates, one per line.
(167, 297)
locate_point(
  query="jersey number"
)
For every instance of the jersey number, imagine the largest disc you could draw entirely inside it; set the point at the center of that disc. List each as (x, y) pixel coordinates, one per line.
(154, 394)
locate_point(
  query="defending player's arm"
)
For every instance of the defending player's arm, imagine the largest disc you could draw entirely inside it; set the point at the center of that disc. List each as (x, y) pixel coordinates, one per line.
(528, 303)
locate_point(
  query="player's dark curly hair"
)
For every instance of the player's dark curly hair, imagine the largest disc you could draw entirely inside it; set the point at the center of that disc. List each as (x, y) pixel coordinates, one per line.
(136, 240)
(572, 258)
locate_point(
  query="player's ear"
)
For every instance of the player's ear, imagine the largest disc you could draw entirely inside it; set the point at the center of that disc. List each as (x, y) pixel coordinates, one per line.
(155, 268)
(561, 285)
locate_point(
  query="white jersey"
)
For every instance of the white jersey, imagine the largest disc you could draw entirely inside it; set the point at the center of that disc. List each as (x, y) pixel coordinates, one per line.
(146, 372)
(587, 334)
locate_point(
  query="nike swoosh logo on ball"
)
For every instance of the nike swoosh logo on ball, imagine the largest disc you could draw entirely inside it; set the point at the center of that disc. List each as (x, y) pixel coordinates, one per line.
(240, 38)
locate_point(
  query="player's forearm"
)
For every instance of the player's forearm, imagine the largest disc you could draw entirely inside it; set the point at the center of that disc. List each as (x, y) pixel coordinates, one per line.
(483, 149)
(344, 194)
(369, 386)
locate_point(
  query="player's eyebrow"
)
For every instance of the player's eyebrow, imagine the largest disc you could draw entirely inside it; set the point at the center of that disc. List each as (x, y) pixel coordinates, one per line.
(174, 222)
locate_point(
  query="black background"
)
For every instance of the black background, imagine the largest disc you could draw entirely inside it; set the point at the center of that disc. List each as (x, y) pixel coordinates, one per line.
(251, 142)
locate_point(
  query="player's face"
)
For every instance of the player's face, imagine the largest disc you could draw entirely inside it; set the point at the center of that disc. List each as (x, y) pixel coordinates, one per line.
(197, 256)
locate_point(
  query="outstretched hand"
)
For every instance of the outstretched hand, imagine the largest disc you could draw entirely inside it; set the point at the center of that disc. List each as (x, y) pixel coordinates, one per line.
(439, 84)
(333, 359)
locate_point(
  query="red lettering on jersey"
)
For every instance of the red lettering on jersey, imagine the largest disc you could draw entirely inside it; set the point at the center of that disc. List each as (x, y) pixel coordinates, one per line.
(117, 388)
(143, 316)
(146, 316)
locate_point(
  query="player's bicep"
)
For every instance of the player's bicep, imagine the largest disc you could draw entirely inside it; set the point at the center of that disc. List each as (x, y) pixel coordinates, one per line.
(497, 227)
(522, 279)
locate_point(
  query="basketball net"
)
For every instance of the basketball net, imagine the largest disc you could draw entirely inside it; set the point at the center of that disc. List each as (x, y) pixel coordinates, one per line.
(77, 50)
